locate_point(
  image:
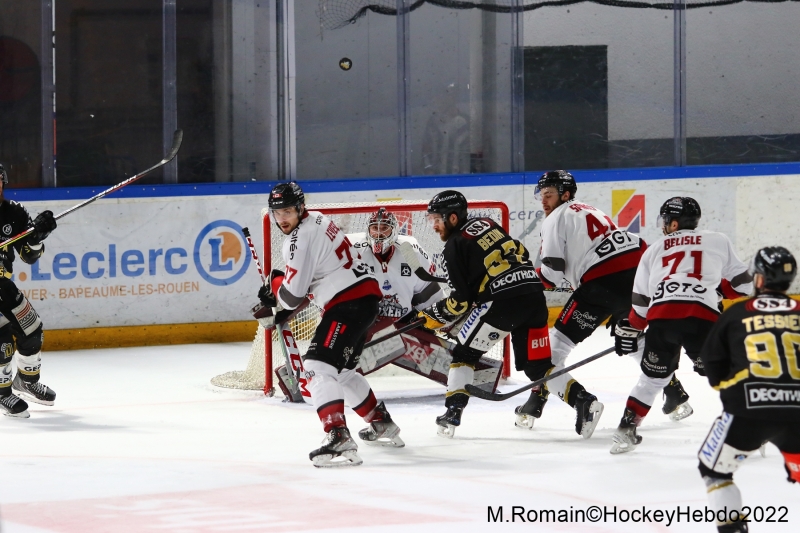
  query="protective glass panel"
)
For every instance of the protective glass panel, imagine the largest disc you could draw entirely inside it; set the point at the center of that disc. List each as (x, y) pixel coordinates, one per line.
(598, 87)
(346, 94)
(20, 93)
(743, 75)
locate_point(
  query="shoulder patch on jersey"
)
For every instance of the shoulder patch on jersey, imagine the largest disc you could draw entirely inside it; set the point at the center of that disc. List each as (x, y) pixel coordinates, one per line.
(476, 227)
(6, 229)
(772, 304)
(405, 270)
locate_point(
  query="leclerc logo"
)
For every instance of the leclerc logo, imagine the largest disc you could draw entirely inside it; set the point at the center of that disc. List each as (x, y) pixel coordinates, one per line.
(220, 252)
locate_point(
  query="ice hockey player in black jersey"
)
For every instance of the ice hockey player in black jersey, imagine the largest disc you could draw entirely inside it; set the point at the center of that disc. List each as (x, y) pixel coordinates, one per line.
(751, 358)
(494, 291)
(19, 321)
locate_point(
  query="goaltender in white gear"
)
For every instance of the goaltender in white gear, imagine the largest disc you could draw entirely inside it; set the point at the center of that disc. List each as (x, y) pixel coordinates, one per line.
(394, 259)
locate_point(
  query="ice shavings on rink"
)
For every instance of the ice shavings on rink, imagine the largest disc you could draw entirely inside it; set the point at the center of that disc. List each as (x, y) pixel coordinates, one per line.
(140, 441)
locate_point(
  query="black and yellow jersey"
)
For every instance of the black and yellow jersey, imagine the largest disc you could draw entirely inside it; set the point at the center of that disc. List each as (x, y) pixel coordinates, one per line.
(484, 263)
(751, 357)
(14, 219)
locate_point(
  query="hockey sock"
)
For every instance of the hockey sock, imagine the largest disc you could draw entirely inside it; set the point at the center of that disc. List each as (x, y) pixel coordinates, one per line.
(460, 374)
(638, 409)
(792, 464)
(724, 498)
(332, 415)
(647, 389)
(563, 385)
(29, 366)
(366, 409)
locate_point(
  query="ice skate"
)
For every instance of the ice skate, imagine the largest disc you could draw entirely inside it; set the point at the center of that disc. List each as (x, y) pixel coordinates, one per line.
(11, 405)
(588, 411)
(625, 440)
(448, 422)
(676, 401)
(528, 413)
(338, 449)
(735, 527)
(36, 392)
(383, 432)
(625, 437)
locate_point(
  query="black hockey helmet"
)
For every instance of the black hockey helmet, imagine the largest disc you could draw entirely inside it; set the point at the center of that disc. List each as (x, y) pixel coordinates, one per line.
(286, 195)
(562, 180)
(681, 208)
(447, 202)
(3, 174)
(777, 265)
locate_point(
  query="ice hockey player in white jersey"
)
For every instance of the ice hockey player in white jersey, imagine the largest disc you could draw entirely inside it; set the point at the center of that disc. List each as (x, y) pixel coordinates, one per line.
(675, 298)
(582, 245)
(382, 248)
(321, 263)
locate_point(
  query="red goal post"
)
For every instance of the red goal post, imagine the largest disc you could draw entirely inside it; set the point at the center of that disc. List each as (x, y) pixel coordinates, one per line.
(351, 217)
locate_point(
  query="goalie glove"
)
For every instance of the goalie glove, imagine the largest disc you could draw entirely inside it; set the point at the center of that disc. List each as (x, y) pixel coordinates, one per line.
(626, 337)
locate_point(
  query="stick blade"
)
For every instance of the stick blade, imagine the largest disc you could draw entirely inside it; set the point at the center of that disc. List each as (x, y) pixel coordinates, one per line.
(482, 394)
(177, 139)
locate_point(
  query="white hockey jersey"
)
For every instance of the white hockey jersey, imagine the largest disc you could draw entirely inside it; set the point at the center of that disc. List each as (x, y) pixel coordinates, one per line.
(581, 243)
(402, 289)
(679, 274)
(321, 262)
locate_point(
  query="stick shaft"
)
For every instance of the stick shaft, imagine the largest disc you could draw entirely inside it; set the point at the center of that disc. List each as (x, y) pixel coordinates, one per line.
(496, 397)
(398, 331)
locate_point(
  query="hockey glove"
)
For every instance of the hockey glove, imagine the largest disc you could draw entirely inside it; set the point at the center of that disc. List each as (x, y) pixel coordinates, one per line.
(626, 337)
(432, 319)
(267, 297)
(268, 316)
(43, 225)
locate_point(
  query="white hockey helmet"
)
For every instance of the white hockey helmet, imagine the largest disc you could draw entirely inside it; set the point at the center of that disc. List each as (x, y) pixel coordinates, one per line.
(382, 231)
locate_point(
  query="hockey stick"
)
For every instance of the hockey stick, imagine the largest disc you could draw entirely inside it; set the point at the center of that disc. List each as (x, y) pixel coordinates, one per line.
(398, 331)
(497, 397)
(293, 380)
(176, 145)
(408, 253)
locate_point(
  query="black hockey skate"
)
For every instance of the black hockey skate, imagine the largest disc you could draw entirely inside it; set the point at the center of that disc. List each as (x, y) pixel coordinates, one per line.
(36, 392)
(735, 527)
(383, 432)
(588, 411)
(526, 414)
(338, 449)
(448, 422)
(11, 405)
(676, 401)
(625, 437)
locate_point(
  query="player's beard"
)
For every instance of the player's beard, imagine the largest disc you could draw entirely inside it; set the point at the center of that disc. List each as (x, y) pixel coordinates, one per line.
(447, 231)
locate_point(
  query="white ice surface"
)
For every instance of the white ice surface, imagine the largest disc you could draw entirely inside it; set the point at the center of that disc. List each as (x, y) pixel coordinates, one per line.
(139, 441)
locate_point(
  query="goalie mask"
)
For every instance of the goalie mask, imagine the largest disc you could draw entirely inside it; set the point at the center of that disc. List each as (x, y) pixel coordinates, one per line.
(382, 231)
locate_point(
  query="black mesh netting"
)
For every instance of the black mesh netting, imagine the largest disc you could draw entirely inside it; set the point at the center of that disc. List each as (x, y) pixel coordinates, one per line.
(339, 13)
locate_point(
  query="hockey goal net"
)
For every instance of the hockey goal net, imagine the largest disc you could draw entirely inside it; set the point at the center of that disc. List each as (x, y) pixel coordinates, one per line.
(351, 218)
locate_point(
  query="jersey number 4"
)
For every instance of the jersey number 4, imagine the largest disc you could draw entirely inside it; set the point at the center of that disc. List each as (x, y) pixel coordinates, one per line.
(598, 229)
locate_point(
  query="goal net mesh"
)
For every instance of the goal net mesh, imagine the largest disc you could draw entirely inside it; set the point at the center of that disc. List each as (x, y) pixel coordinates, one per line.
(351, 218)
